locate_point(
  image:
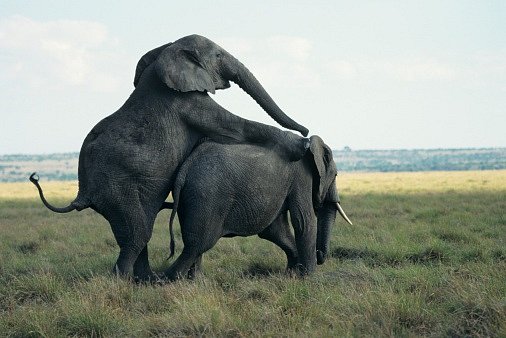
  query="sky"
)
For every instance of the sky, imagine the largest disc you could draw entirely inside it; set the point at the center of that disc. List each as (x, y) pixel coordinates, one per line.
(363, 74)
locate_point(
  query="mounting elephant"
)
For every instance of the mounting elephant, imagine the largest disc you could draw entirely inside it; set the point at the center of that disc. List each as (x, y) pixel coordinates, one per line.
(244, 190)
(128, 161)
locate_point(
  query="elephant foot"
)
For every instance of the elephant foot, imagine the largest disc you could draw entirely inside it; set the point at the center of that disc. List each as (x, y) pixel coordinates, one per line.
(193, 273)
(302, 270)
(147, 277)
(172, 277)
(292, 273)
(291, 267)
(321, 257)
(145, 274)
(152, 279)
(188, 260)
(118, 273)
(176, 272)
(195, 269)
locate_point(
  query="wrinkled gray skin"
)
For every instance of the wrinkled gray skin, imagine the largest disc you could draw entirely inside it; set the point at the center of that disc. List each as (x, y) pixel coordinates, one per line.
(244, 190)
(128, 161)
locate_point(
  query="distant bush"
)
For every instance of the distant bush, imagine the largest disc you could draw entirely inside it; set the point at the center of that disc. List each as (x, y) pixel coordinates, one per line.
(38, 158)
(420, 159)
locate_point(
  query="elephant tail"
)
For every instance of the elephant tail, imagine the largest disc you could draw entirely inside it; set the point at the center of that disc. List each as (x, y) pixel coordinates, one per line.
(178, 185)
(166, 205)
(175, 196)
(170, 205)
(77, 204)
(176, 191)
(172, 244)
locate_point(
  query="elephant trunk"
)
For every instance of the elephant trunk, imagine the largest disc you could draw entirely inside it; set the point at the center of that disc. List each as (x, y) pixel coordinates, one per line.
(239, 74)
(326, 219)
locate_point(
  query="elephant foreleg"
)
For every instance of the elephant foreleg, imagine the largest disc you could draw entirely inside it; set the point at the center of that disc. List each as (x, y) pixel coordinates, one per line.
(222, 126)
(196, 268)
(304, 225)
(142, 270)
(279, 233)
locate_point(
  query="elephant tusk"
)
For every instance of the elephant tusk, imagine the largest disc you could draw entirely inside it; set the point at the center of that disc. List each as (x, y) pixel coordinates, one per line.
(342, 213)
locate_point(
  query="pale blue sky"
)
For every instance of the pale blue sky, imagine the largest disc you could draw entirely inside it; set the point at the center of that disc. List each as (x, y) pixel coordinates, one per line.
(367, 74)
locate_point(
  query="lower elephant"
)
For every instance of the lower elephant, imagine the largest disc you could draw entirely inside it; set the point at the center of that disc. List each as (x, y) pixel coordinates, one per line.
(244, 190)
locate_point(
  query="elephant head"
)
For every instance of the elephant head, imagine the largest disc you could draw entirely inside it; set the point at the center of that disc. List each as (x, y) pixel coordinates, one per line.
(325, 196)
(195, 63)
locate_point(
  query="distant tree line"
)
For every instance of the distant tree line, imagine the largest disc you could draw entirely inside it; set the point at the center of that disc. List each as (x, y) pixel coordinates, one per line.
(420, 159)
(38, 158)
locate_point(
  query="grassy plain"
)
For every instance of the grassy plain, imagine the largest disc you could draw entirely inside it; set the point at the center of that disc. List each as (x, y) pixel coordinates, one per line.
(426, 256)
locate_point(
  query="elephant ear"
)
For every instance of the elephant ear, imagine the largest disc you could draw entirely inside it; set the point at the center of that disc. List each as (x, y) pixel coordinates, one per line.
(322, 157)
(183, 70)
(146, 60)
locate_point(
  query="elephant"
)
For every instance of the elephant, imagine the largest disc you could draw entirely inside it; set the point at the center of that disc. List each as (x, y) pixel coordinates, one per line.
(244, 190)
(128, 161)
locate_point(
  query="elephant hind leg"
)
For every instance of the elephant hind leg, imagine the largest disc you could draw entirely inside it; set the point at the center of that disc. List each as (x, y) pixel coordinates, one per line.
(189, 261)
(142, 270)
(278, 232)
(200, 231)
(132, 229)
(182, 266)
(196, 268)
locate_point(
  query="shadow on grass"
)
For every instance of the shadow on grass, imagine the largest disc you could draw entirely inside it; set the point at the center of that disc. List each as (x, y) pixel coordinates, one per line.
(427, 256)
(373, 258)
(474, 320)
(29, 247)
(260, 270)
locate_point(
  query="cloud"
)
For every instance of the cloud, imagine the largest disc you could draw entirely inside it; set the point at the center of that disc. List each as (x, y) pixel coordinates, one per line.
(281, 61)
(476, 69)
(343, 69)
(404, 70)
(415, 70)
(287, 61)
(488, 67)
(296, 48)
(58, 53)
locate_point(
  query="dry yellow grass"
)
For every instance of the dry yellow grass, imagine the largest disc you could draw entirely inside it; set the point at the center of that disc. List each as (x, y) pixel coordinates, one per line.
(422, 182)
(349, 183)
(26, 190)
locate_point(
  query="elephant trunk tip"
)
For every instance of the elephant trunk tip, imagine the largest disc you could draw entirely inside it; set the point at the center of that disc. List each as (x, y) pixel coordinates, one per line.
(34, 178)
(320, 257)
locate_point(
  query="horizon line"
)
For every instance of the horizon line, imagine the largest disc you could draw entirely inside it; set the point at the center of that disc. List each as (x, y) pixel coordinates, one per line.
(333, 149)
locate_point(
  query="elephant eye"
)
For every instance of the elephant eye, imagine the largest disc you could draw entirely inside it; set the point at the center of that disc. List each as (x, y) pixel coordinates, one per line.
(218, 55)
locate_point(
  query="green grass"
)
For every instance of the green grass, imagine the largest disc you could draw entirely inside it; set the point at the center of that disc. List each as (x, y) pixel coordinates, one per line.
(426, 256)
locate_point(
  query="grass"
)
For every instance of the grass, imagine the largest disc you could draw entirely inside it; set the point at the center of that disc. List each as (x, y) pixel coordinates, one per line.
(426, 256)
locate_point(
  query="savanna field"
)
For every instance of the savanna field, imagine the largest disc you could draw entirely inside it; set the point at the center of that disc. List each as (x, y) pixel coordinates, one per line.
(426, 256)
